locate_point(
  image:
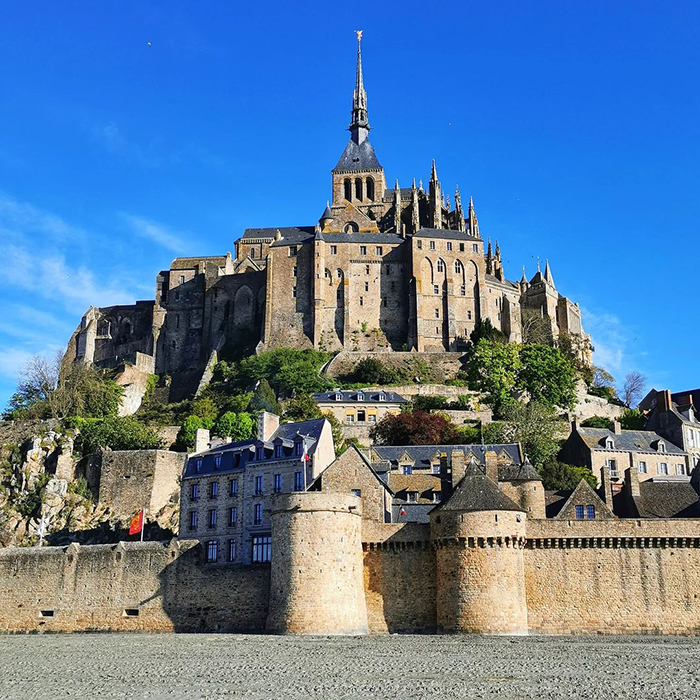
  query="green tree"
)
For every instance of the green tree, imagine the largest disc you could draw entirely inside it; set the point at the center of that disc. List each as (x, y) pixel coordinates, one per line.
(237, 426)
(301, 407)
(206, 409)
(493, 368)
(117, 433)
(188, 432)
(632, 419)
(371, 371)
(264, 399)
(239, 403)
(596, 422)
(286, 369)
(484, 330)
(547, 376)
(557, 476)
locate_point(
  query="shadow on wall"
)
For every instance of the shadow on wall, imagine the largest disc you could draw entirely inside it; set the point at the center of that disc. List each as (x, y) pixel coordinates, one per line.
(200, 597)
(400, 582)
(108, 533)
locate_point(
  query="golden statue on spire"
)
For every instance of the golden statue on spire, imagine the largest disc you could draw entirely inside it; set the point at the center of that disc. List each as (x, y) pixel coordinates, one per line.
(359, 35)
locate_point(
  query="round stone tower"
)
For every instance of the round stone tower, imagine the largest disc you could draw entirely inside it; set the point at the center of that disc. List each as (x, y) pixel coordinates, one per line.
(479, 535)
(317, 584)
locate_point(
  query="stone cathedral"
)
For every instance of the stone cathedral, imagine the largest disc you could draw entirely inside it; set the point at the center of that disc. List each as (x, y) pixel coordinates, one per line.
(383, 269)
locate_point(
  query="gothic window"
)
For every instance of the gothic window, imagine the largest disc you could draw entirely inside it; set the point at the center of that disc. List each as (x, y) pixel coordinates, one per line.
(440, 266)
(339, 272)
(370, 189)
(458, 267)
(358, 188)
(347, 186)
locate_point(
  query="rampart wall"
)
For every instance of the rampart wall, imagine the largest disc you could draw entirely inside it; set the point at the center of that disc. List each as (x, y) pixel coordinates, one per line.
(149, 586)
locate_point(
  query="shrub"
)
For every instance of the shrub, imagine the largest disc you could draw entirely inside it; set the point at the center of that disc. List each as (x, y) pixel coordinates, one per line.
(237, 426)
(302, 407)
(415, 428)
(80, 488)
(264, 399)
(547, 376)
(429, 403)
(371, 371)
(117, 433)
(596, 422)
(188, 432)
(557, 476)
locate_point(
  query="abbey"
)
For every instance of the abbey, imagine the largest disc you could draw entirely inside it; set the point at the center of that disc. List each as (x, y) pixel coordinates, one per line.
(384, 268)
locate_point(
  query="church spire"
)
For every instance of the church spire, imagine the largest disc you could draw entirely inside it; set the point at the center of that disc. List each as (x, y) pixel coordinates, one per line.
(359, 127)
(548, 274)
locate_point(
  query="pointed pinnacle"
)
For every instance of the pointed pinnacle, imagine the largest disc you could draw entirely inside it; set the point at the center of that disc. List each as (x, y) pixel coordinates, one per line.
(413, 186)
(433, 172)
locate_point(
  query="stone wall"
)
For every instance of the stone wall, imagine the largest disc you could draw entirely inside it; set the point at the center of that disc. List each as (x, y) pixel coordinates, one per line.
(150, 586)
(623, 576)
(429, 366)
(399, 572)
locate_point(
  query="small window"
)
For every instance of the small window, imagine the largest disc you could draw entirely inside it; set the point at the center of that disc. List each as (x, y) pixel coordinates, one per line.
(46, 613)
(469, 315)
(194, 519)
(299, 448)
(213, 489)
(258, 485)
(437, 330)
(363, 250)
(379, 250)
(432, 245)
(463, 290)
(279, 451)
(437, 313)
(295, 270)
(233, 489)
(356, 492)
(436, 289)
(663, 468)
(362, 301)
(662, 446)
(590, 512)
(232, 515)
(349, 417)
(195, 492)
(579, 512)
(334, 250)
(232, 550)
(261, 453)
(475, 247)
(292, 251)
(361, 415)
(406, 469)
(372, 417)
(217, 461)
(461, 248)
(182, 279)
(436, 496)
(212, 551)
(436, 468)
(257, 514)
(262, 548)
(131, 612)
(367, 269)
(294, 292)
(384, 302)
(298, 481)
(419, 244)
(198, 465)
(680, 469)
(212, 518)
(367, 286)
(411, 496)
(278, 483)
(642, 467)
(449, 246)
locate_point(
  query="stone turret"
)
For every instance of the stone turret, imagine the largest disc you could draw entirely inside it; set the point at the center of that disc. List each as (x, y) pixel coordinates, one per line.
(479, 535)
(316, 584)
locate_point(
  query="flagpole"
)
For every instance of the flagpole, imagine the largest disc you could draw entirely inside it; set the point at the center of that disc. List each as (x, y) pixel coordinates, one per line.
(143, 522)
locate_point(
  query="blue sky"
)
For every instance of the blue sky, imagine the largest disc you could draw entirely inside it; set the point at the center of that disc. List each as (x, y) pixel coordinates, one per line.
(574, 126)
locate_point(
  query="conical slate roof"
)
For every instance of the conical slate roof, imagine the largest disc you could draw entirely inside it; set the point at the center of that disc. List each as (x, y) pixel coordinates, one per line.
(358, 157)
(477, 492)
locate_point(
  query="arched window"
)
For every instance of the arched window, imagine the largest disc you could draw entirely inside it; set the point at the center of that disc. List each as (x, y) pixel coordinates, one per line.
(370, 189)
(351, 227)
(347, 187)
(358, 188)
(339, 272)
(440, 266)
(458, 267)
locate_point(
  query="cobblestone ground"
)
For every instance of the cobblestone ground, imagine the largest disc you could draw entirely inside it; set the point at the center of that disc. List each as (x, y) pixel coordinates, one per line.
(151, 667)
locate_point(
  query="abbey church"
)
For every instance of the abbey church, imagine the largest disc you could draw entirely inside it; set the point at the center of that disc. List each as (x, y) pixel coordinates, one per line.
(384, 268)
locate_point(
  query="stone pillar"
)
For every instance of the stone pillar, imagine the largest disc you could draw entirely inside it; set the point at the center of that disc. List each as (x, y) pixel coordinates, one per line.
(317, 582)
(480, 572)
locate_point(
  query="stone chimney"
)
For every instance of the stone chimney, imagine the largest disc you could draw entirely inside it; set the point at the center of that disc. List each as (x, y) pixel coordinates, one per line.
(201, 440)
(458, 464)
(267, 424)
(491, 460)
(615, 427)
(663, 400)
(606, 485)
(632, 481)
(575, 425)
(445, 477)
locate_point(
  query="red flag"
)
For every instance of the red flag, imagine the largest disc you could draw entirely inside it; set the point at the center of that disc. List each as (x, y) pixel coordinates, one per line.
(402, 512)
(136, 523)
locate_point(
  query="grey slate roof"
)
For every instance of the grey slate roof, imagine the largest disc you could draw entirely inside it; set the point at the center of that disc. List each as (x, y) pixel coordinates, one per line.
(415, 512)
(476, 492)
(554, 501)
(358, 157)
(290, 234)
(421, 454)
(235, 456)
(667, 499)
(492, 279)
(627, 440)
(388, 238)
(352, 396)
(446, 233)
(518, 472)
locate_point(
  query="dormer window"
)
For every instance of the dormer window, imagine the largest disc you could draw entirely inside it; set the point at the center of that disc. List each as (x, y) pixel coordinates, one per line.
(662, 446)
(217, 461)
(338, 397)
(298, 448)
(198, 465)
(279, 451)
(382, 396)
(406, 469)
(411, 496)
(261, 453)
(360, 396)
(609, 443)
